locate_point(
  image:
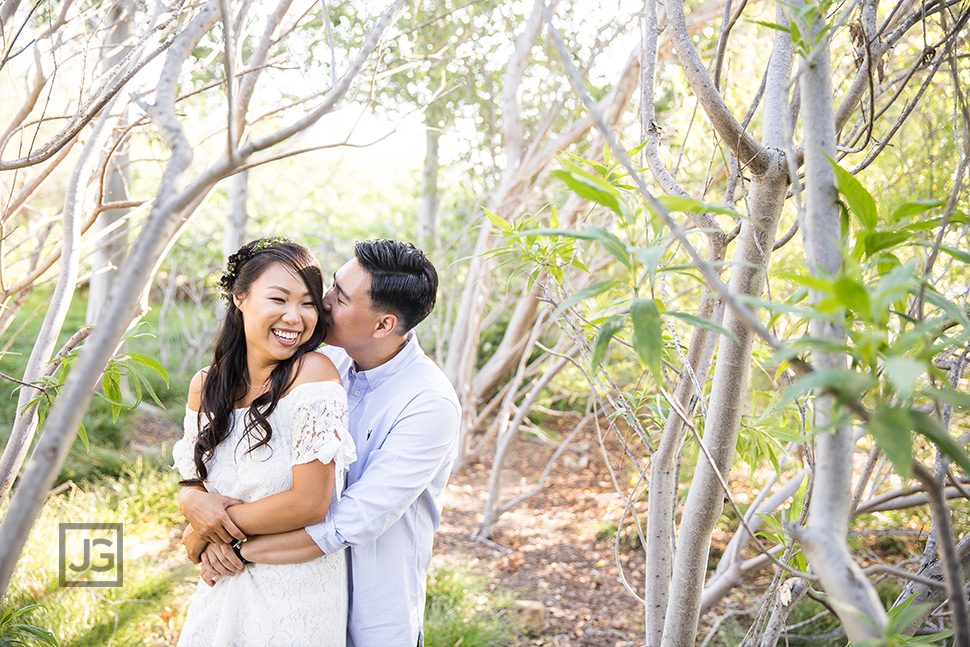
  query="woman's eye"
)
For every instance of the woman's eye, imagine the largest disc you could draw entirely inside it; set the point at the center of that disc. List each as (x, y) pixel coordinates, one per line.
(276, 299)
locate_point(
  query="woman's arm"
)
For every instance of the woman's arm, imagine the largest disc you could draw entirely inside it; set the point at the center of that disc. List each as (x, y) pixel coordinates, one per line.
(204, 510)
(314, 421)
(306, 503)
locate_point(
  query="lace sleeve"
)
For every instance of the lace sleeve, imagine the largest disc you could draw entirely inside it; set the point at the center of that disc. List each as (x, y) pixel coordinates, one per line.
(184, 450)
(320, 426)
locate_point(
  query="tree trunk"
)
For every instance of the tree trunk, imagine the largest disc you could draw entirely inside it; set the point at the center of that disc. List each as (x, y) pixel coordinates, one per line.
(428, 205)
(238, 215)
(111, 244)
(824, 538)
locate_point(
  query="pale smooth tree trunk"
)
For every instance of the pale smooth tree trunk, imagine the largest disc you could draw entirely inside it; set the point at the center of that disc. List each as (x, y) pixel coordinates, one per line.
(428, 204)
(110, 244)
(238, 216)
(769, 185)
(823, 540)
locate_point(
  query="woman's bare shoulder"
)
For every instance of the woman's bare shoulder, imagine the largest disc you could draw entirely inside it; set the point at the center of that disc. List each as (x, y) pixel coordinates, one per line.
(316, 367)
(195, 389)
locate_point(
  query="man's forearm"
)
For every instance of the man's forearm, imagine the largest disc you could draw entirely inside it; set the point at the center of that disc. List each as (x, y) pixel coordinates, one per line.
(294, 547)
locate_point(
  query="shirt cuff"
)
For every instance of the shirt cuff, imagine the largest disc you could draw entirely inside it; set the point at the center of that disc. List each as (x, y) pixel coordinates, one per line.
(324, 535)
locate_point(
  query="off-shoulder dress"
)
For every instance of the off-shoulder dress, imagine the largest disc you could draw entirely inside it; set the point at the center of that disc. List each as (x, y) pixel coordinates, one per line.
(288, 604)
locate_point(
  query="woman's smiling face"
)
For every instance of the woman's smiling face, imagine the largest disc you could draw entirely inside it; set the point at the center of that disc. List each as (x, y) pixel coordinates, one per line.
(278, 315)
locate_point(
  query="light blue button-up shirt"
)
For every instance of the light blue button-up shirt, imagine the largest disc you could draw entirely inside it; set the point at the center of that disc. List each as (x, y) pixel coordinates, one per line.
(404, 419)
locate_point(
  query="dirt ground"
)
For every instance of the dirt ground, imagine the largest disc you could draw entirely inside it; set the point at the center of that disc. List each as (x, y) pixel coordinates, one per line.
(556, 547)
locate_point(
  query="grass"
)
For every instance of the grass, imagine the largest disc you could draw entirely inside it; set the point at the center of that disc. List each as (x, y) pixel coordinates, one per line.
(157, 581)
(458, 612)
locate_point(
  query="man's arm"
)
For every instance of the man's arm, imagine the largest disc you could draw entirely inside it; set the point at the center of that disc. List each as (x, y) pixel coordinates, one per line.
(294, 547)
(421, 443)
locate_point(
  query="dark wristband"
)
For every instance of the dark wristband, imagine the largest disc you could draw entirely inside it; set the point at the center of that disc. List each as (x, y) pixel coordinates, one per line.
(237, 548)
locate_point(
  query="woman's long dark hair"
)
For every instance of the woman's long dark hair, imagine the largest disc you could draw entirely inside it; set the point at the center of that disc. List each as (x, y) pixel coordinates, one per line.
(225, 382)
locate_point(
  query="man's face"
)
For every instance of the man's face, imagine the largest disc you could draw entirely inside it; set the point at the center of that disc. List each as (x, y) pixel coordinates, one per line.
(348, 309)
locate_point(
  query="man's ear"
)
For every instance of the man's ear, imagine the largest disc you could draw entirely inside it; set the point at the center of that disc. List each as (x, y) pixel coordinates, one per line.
(386, 325)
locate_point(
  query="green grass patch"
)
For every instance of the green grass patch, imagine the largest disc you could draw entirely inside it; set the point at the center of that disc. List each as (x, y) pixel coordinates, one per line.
(458, 612)
(157, 582)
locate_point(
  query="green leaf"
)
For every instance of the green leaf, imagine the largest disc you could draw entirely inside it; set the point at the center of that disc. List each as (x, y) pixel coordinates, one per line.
(948, 394)
(593, 188)
(610, 242)
(904, 373)
(772, 25)
(890, 427)
(958, 254)
(877, 241)
(650, 257)
(812, 282)
(704, 323)
(498, 221)
(609, 328)
(933, 430)
(853, 296)
(860, 201)
(952, 310)
(149, 362)
(648, 336)
(913, 208)
(82, 433)
(588, 292)
(904, 614)
(848, 384)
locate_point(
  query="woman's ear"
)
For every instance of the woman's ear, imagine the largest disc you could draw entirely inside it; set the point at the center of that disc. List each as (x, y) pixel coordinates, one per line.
(236, 299)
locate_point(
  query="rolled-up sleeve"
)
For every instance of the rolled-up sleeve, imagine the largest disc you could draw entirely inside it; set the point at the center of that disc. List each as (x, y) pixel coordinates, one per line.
(422, 442)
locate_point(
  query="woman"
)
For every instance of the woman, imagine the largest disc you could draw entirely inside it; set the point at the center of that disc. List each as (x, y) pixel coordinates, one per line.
(266, 423)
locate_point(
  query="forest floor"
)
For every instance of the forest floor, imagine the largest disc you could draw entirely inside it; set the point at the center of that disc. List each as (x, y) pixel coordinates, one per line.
(556, 547)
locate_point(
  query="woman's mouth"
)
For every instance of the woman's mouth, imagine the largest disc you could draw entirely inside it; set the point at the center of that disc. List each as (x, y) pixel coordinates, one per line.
(285, 337)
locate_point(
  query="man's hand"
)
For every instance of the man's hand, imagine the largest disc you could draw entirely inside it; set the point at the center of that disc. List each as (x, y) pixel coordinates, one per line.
(207, 514)
(194, 544)
(222, 560)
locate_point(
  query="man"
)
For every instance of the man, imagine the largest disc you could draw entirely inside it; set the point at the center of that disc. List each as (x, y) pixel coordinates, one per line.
(404, 419)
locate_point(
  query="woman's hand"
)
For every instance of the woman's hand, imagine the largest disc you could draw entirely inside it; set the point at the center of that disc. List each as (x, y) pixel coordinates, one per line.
(222, 560)
(194, 544)
(209, 576)
(207, 514)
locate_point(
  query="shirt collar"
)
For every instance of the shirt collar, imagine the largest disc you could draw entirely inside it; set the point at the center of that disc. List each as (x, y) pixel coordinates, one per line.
(378, 374)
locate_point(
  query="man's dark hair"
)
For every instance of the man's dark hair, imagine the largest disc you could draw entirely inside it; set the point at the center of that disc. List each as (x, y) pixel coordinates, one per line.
(402, 279)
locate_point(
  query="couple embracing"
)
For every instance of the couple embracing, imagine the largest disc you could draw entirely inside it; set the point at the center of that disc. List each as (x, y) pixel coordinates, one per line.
(313, 481)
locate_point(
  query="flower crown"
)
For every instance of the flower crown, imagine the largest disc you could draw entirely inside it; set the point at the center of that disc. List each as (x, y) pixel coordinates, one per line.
(237, 260)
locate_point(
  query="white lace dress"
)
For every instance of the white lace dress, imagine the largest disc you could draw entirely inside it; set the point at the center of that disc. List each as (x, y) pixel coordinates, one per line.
(291, 605)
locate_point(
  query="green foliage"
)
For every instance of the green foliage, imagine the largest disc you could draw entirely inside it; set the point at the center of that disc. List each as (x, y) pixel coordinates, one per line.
(890, 350)
(900, 617)
(457, 612)
(15, 631)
